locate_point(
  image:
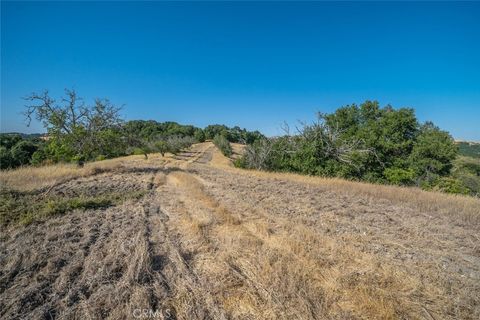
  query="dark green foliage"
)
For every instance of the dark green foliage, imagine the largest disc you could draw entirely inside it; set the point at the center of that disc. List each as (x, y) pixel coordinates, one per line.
(366, 142)
(151, 129)
(152, 136)
(22, 152)
(199, 135)
(15, 150)
(8, 140)
(78, 132)
(223, 145)
(433, 152)
(214, 130)
(235, 134)
(6, 160)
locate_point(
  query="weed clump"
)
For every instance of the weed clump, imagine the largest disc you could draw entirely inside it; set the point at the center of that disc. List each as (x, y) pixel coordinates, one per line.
(25, 207)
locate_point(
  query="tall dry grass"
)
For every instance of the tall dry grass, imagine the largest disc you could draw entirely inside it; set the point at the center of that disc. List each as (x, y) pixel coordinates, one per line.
(30, 178)
(466, 208)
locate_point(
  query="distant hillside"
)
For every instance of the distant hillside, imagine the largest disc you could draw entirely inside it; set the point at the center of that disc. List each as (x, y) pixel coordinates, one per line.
(469, 149)
(24, 135)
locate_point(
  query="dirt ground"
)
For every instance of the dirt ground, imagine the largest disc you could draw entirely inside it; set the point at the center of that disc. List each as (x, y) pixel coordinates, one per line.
(209, 241)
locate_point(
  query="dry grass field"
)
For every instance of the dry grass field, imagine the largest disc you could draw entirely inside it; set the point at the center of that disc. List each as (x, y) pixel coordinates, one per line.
(191, 237)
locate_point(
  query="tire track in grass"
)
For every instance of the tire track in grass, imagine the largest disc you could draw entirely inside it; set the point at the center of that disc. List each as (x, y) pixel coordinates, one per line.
(188, 297)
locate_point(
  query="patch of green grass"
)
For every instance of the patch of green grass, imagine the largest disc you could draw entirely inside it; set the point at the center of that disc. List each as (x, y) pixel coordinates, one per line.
(54, 207)
(27, 207)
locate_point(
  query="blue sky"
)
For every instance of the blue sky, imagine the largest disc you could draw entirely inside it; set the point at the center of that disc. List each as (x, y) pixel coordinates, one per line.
(249, 64)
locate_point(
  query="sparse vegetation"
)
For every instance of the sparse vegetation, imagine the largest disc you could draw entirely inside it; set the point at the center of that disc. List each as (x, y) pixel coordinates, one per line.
(25, 207)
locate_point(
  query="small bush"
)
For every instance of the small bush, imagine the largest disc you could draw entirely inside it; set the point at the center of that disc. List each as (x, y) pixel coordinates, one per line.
(450, 185)
(240, 163)
(400, 176)
(199, 135)
(38, 158)
(100, 158)
(138, 151)
(178, 143)
(223, 145)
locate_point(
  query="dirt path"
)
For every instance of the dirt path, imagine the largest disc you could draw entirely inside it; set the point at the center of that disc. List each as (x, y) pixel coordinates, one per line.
(208, 241)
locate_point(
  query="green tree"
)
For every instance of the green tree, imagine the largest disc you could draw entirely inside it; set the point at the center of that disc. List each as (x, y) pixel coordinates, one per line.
(215, 129)
(22, 152)
(162, 147)
(433, 153)
(9, 140)
(6, 161)
(78, 130)
(199, 135)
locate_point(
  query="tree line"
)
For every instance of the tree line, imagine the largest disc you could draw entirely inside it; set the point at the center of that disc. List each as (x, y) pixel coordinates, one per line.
(363, 142)
(80, 132)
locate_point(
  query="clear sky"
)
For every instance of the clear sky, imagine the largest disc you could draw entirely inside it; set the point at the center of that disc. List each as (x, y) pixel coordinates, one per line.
(249, 64)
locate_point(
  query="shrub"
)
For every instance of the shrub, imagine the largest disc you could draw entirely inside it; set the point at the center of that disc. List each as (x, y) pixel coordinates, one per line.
(450, 185)
(38, 158)
(138, 151)
(223, 145)
(16, 151)
(178, 143)
(199, 135)
(100, 157)
(22, 152)
(240, 163)
(400, 176)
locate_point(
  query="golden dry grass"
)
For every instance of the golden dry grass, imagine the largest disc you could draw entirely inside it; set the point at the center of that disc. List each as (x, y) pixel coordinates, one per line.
(466, 208)
(212, 241)
(30, 178)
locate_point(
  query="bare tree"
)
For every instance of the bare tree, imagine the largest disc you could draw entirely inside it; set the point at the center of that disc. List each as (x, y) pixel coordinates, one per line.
(326, 139)
(72, 118)
(331, 143)
(257, 155)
